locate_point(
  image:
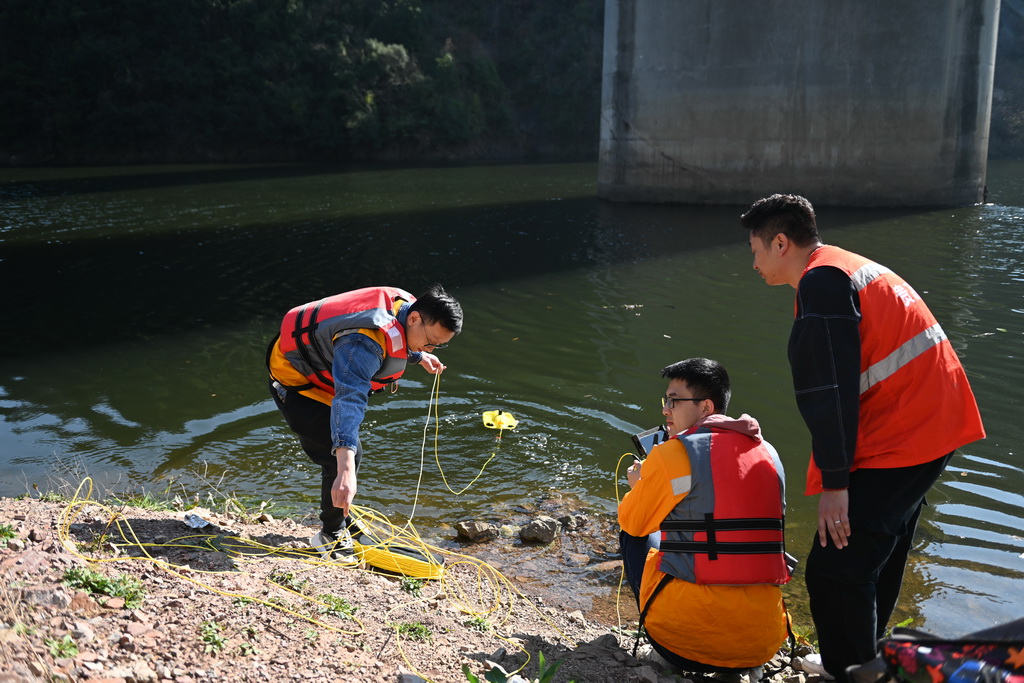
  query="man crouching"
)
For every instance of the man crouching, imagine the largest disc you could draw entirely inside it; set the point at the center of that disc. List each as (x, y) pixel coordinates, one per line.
(702, 531)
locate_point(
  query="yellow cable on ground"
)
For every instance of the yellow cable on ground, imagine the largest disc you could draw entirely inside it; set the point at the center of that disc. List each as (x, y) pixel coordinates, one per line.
(495, 594)
(131, 540)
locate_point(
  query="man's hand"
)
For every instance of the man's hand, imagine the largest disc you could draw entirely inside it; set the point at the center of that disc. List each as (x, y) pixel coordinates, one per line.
(343, 491)
(833, 517)
(431, 363)
(633, 473)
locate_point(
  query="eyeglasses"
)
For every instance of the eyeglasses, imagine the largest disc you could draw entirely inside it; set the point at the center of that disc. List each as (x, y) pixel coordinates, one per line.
(431, 344)
(670, 401)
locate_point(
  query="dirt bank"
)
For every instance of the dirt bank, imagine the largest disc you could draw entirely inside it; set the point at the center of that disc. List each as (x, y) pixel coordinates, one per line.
(99, 593)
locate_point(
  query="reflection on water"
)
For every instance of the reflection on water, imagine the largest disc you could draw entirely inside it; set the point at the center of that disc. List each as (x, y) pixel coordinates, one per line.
(144, 298)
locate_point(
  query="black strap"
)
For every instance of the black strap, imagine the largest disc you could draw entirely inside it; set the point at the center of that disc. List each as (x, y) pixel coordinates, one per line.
(643, 615)
(270, 349)
(732, 524)
(270, 352)
(304, 347)
(768, 672)
(714, 548)
(711, 526)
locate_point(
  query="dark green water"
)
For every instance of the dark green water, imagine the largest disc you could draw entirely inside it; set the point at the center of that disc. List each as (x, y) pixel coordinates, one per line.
(138, 303)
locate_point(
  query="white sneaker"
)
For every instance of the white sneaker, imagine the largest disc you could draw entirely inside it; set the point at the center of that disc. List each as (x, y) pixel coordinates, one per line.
(811, 664)
(336, 547)
(647, 653)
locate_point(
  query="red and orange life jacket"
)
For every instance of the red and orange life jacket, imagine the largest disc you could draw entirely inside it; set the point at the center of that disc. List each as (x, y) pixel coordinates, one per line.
(729, 527)
(308, 333)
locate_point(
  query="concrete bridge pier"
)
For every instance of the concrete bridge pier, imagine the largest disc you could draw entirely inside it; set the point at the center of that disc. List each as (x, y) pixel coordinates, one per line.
(868, 103)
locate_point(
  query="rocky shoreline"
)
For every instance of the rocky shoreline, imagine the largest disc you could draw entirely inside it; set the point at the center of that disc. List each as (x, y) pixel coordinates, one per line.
(112, 594)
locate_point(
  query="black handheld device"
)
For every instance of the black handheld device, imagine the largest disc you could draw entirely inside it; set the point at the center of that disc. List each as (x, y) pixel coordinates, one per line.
(648, 439)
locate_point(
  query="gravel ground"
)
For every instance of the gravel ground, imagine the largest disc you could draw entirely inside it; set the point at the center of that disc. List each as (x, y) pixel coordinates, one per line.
(99, 593)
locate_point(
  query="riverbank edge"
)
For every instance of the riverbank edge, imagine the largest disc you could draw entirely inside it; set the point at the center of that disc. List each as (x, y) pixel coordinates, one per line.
(207, 616)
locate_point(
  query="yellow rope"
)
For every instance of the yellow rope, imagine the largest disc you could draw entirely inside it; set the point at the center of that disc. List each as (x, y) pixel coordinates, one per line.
(622, 569)
(131, 539)
(494, 595)
(437, 426)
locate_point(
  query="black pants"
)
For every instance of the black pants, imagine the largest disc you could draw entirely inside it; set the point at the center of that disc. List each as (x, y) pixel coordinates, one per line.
(853, 591)
(311, 421)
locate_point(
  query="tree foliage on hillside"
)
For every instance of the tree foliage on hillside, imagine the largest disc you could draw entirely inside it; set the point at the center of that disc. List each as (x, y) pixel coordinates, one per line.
(88, 81)
(1007, 130)
(150, 80)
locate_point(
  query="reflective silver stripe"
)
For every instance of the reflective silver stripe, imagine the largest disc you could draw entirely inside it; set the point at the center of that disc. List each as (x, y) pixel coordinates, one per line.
(395, 337)
(681, 485)
(908, 351)
(866, 274)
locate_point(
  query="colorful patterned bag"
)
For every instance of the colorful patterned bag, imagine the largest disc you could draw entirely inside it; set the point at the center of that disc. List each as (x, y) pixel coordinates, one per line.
(995, 655)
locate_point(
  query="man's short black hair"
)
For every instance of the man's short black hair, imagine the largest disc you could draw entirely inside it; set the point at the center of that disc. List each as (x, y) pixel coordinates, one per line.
(438, 306)
(789, 214)
(705, 377)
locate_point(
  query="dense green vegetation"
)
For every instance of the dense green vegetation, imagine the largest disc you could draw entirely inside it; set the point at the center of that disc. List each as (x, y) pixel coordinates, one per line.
(151, 80)
(123, 81)
(1007, 131)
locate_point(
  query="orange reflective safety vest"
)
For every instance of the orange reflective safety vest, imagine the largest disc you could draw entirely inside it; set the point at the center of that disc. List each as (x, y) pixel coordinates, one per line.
(308, 332)
(728, 528)
(916, 404)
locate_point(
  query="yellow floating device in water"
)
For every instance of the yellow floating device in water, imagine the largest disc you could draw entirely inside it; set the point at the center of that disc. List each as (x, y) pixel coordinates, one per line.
(394, 556)
(499, 419)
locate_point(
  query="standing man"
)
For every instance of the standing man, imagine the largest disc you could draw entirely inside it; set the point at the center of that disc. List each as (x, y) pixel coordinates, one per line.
(886, 401)
(328, 358)
(702, 531)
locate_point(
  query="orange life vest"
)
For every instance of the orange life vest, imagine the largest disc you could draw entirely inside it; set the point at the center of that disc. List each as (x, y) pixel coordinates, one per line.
(729, 527)
(916, 404)
(308, 333)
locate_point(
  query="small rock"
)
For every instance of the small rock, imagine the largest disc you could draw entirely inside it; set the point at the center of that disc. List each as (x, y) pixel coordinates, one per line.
(577, 559)
(607, 640)
(36, 536)
(142, 673)
(16, 544)
(136, 629)
(114, 603)
(646, 673)
(82, 632)
(138, 615)
(606, 566)
(540, 530)
(476, 532)
(406, 676)
(122, 672)
(47, 597)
